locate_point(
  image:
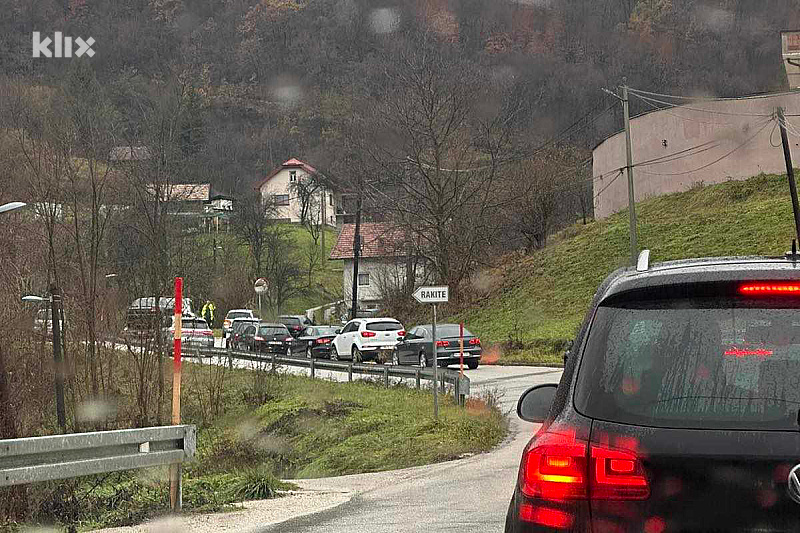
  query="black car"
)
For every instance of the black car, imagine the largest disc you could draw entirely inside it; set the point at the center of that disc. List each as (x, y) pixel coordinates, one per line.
(266, 338)
(295, 323)
(314, 341)
(416, 348)
(678, 408)
(238, 325)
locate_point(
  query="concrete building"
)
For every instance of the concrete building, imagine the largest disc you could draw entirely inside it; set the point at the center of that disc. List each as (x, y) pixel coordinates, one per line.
(281, 186)
(706, 141)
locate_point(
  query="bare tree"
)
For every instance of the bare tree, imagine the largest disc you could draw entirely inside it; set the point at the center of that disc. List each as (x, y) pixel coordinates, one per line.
(253, 222)
(443, 133)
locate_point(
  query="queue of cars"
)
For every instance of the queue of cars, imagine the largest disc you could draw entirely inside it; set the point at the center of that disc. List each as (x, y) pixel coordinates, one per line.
(383, 340)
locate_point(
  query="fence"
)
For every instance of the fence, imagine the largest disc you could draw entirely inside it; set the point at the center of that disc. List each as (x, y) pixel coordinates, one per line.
(459, 383)
(34, 459)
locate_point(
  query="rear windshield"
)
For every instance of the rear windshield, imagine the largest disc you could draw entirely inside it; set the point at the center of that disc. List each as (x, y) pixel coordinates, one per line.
(238, 314)
(268, 331)
(384, 326)
(289, 320)
(193, 323)
(694, 363)
(451, 330)
(326, 330)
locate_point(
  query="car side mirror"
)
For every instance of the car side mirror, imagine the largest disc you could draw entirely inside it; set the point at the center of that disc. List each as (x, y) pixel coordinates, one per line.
(534, 404)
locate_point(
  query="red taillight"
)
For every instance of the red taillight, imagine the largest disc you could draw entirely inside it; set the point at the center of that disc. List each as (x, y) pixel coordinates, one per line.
(545, 516)
(207, 333)
(442, 344)
(323, 341)
(556, 467)
(401, 333)
(475, 342)
(770, 288)
(618, 475)
(367, 333)
(287, 339)
(258, 338)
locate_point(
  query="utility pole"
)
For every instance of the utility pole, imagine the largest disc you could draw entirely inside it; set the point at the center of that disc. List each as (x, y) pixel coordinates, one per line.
(356, 253)
(55, 309)
(628, 168)
(787, 155)
(629, 157)
(324, 220)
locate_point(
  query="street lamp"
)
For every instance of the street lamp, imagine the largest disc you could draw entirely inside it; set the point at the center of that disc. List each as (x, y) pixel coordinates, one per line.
(55, 308)
(11, 206)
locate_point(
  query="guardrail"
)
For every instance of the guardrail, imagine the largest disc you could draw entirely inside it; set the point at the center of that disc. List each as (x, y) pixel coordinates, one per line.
(459, 383)
(34, 459)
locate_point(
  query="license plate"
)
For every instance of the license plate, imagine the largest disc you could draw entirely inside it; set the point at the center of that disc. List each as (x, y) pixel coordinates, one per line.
(276, 343)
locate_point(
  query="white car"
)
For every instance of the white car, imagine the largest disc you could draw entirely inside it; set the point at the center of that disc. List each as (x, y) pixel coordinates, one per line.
(365, 339)
(227, 324)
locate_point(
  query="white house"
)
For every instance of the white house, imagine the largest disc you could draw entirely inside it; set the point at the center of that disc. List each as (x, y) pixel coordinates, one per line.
(281, 186)
(383, 265)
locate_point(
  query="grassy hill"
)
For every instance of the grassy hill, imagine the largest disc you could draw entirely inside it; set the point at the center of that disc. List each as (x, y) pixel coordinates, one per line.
(530, 305)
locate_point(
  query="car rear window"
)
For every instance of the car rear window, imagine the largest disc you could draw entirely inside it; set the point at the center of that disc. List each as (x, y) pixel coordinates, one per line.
(451, 330)
(384, 326)
(326, 330)
(290, 321)
(238, 314)
(193, 323)
(269, 331)
(729, 363)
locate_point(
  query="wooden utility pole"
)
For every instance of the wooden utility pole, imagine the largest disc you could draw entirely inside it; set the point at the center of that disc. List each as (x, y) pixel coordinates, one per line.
(175, 488)
(356, 254)
(787, 156)
(629, 167)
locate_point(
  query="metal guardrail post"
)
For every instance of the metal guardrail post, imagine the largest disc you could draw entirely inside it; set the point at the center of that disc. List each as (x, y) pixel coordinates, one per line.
(312, 367)
(386, 376)
(418, 372)
(457, 391)
(274, 358)
(350, 372)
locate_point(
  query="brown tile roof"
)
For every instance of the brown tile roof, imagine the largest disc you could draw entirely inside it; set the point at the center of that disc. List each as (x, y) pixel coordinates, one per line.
(378, 239)
(291, 163)
(185, 192)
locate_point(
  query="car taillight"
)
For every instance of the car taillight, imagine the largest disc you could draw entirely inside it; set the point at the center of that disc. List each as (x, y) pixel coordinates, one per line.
(287, 339)
(258, 338)
(323, 341)
(207, 333)
(561, 467)
(545, 516)
(367, 333)
(475, 342)
(442, 344)
(770, 288)
(401, 333)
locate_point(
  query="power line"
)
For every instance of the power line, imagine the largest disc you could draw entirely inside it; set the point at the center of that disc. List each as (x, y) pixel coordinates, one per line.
(672, 157)
(716, 160)
(683, 106)
(665, 110)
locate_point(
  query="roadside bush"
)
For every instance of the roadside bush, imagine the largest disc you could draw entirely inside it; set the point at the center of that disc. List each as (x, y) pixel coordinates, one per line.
(256, 483)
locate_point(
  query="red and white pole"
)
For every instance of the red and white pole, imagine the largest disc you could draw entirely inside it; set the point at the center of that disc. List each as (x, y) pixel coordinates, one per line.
(175, 489)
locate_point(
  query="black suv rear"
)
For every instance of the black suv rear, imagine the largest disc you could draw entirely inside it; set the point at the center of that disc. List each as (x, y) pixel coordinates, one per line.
(678, 407)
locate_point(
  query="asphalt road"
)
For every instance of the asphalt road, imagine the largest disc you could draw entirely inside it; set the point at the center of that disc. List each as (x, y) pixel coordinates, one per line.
(468, 495)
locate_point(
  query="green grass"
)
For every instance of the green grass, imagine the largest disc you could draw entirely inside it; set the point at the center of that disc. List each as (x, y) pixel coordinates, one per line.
(536, 302)
(271, 426)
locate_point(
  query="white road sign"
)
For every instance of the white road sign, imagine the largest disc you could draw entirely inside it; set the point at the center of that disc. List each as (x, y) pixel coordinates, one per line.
(260, 285)
(432, 295)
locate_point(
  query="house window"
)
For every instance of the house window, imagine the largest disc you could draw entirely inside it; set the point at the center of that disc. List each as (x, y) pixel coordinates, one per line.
(292, 176)
(363, 280)
(281, 199)
(330, 200)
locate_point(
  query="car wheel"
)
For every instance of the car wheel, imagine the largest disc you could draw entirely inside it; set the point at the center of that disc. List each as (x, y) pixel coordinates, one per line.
(423, 362)
(395, 358)
(356, 355)
(308, 353)
(472, 365)
(334, 353)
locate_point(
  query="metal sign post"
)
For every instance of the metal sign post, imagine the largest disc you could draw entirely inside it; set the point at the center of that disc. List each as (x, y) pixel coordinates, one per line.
(434, 295)
(260, 287)
(461, 348)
